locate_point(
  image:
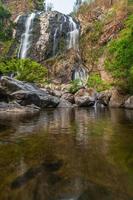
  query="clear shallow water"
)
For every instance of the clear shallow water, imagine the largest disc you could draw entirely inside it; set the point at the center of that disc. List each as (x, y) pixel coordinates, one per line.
(67, 154)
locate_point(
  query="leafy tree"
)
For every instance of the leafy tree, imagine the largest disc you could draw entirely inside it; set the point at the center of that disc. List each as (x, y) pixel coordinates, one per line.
(25, 70)
(96, 82)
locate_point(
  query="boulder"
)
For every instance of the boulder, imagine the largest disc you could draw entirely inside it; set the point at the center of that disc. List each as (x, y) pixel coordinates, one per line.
(56, 93)
(12, 85)
(26, 98)
(104, 97)
(37, 98)
(27, 94)
(117, 99)
(85, 97)
(48, 101)
(69, 97)
(65, 104)
(129, 103)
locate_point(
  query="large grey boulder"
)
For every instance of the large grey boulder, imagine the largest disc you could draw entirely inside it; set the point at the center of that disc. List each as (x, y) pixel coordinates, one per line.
(48, 101)
(26, 98)
(27, 94)
(12, 85)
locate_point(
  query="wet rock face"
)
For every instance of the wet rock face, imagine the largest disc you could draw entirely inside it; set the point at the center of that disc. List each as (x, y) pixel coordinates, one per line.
(64, 68)
(49, 35)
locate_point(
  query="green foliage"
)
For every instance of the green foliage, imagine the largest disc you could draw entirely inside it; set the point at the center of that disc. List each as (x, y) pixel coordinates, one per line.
(25, 70)
(96, 32)
(120, 57)
(5, 24)
(39, 4)
(96, 82)
(75, 86)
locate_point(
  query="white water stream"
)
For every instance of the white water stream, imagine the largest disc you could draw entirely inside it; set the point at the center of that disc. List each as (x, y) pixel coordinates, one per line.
(73, 41)
(25, 38)
(54, 41)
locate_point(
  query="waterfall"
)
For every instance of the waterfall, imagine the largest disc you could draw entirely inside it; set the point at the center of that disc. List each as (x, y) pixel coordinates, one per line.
(25, 38)
(73, 41)
(65, 31)
(80, 73)
(54, 41)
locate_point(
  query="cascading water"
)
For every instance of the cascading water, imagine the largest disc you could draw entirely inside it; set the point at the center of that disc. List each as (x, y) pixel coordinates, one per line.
(79, 73)
(54, 41)
(25, 38)
(73, 36)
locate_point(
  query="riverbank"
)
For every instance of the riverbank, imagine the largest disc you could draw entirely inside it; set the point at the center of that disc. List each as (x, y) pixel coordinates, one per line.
(18, 96)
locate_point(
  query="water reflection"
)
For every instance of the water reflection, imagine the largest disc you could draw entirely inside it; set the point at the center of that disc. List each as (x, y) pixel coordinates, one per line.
(67, 154)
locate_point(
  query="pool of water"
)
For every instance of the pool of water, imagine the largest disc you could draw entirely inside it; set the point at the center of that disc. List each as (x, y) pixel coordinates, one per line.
(67, 154)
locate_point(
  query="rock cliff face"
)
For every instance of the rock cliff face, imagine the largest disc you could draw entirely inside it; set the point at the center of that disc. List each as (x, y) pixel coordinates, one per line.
(65, 67)
(52, 39)
(50, 34)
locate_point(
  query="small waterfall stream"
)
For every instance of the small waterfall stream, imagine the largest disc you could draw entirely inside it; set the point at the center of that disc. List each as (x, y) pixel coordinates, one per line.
(25, 38)
(54, 41)
(73, 41)
(79, 74)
